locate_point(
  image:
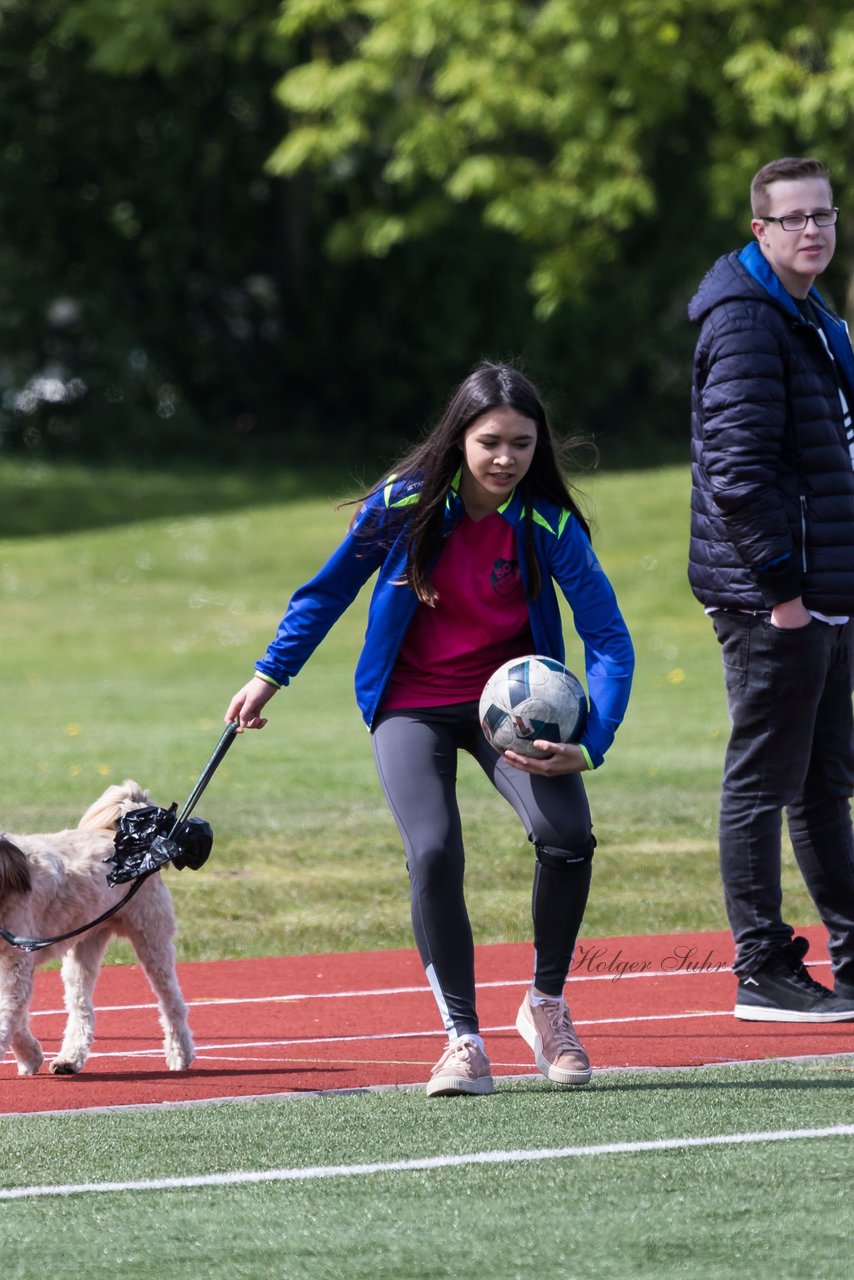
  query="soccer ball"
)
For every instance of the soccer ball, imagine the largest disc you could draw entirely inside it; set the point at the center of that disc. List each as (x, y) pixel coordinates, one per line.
(528, 698)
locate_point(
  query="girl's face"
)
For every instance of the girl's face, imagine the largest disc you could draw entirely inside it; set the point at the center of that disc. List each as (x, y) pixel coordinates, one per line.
(498, 449)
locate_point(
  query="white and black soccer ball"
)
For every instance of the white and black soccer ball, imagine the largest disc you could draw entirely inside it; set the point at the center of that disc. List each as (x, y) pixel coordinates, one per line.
(528, 698)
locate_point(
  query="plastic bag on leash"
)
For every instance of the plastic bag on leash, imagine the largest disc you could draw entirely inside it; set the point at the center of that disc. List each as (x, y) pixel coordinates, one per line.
(145, 841)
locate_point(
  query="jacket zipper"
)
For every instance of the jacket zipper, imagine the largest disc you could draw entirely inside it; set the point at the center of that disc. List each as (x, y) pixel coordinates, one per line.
(803, 533)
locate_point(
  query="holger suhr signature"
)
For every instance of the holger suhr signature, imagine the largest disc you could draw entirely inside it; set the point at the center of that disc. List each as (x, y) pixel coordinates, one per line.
(595, 958)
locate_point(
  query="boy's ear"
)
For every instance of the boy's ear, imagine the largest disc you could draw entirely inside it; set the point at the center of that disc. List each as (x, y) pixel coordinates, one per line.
(757, 226)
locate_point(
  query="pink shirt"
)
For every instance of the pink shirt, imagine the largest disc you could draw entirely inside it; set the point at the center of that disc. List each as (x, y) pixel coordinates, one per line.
(480, 620)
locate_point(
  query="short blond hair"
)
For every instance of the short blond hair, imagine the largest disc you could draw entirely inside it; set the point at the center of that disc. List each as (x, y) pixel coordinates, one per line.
(788, 169)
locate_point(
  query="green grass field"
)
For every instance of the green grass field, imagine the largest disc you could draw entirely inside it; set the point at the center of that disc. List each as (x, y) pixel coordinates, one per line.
(759, 1208)
(123, 637)
(126, 624)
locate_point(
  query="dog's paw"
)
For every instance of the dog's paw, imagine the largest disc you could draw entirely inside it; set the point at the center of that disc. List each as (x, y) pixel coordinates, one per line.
(27, 1051)
(30, 1066)
(62, 1067)
(178, 1059)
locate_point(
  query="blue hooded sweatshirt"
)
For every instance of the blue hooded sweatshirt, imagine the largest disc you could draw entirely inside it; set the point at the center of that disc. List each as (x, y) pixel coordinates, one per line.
(376, 543)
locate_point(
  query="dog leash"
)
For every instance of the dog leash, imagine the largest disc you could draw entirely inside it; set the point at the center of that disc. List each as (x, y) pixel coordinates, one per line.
(38, 944)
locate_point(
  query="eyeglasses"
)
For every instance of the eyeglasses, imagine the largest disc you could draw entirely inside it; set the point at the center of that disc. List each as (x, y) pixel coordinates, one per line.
(797, 221)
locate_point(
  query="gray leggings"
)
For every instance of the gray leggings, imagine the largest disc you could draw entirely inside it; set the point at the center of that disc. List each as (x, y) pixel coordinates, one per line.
(416, 758)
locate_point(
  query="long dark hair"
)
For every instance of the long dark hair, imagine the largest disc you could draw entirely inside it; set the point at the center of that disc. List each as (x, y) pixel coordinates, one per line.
(437, 458)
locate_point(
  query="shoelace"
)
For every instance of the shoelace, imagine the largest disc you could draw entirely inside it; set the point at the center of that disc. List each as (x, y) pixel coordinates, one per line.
(560, 1023)
(456, 1049)
(804, 979)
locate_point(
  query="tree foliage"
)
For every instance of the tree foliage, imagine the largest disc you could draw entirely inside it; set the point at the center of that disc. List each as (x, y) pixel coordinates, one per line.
(549, 116)
(230, 225)
(138, 310)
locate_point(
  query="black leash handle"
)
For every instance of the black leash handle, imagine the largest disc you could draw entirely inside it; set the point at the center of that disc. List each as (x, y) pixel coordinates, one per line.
(228, 735)
(38, 944)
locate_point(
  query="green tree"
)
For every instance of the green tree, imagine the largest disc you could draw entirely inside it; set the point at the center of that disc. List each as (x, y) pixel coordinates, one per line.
(550, 117)
(231, 225)
(139, 312)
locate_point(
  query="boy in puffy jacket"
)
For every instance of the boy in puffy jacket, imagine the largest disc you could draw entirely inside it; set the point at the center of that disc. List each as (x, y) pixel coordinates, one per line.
(772, 561)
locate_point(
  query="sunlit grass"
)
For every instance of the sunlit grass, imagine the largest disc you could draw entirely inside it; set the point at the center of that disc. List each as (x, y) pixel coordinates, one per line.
(120, 647)
(764, 1208)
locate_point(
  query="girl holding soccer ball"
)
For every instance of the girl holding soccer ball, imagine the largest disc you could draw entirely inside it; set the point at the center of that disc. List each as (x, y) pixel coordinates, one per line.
(469, 536)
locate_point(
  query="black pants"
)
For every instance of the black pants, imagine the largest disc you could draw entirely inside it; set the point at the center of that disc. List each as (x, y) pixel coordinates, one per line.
(791, 747)
(416, 759)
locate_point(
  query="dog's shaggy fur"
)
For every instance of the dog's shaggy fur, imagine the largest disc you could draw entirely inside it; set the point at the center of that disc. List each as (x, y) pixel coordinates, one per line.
(50, 884)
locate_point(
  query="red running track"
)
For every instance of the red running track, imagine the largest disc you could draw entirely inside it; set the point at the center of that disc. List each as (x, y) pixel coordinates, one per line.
(301, 1024)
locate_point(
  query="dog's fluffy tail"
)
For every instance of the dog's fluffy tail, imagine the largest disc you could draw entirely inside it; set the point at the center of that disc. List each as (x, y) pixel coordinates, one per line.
(116, 801)
(14, 869)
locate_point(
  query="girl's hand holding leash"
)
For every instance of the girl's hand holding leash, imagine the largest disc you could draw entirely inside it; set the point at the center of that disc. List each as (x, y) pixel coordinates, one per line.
(563, 757)
(246, 705)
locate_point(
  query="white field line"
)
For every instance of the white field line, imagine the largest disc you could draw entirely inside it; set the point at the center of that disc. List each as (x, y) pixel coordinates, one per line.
(368, 992)
(317, 1172)
(214, 1049)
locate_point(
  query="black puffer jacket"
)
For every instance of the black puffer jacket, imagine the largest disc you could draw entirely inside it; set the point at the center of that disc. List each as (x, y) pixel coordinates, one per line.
(772, 505)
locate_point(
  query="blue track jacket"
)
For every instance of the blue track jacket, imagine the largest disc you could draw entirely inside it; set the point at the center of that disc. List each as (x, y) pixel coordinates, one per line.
(377, 542)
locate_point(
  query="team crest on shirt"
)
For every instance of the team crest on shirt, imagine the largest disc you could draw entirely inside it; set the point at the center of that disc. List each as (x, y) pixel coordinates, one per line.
(504, 576)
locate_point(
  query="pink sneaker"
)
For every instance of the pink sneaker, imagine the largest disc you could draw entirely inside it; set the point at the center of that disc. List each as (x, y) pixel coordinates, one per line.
(548, 1029)
(462, 1068)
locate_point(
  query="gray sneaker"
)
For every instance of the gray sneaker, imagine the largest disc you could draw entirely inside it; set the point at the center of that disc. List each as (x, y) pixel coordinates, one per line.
(558, 1052)
(462, 1068)
(783, 990)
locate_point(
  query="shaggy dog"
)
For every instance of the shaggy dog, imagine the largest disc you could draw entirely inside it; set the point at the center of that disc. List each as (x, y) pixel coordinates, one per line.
(50, 884)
